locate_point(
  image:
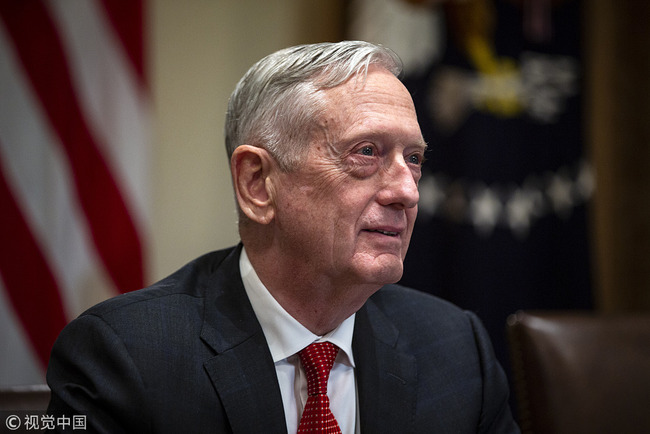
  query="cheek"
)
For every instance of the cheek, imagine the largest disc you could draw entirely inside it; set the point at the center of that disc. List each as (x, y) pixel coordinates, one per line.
(334, 200)
(309, 211)
(411, 215)
(327, 202)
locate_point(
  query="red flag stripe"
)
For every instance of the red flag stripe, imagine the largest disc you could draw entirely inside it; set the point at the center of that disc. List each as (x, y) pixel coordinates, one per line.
(38, 171)
(29, 281)
(127, 19)
(44, 61)
(114, 103)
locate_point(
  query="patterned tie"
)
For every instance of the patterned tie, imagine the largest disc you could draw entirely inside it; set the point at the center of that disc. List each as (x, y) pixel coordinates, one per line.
(318, 359)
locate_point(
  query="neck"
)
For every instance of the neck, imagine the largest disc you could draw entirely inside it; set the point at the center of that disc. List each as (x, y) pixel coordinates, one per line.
(315, 301)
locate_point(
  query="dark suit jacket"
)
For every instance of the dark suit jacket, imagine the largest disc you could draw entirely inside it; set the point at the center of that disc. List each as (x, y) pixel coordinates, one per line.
(188, 355)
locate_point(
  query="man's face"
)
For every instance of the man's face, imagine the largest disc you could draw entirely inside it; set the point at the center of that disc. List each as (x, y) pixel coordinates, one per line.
(348, 210)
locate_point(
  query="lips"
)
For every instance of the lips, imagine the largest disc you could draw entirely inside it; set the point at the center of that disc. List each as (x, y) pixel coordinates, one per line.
(394, 226)
(383, 232)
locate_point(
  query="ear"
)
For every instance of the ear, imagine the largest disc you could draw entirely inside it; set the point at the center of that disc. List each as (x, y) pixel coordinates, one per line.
(250, 167)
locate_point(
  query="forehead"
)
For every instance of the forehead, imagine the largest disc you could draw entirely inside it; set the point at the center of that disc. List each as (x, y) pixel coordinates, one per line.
(376, 103)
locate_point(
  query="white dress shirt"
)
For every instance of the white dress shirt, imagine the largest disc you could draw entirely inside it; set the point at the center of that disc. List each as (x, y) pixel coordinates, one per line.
(286, 337)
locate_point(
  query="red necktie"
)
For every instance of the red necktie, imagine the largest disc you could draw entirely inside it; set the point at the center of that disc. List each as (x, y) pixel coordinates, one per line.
(318, 359)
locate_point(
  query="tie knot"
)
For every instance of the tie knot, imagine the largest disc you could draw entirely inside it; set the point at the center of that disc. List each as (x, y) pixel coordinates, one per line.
(318, 359)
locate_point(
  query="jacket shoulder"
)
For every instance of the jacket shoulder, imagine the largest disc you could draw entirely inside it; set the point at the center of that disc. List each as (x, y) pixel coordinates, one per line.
(398, 301)
(187, 282)
(424, 319)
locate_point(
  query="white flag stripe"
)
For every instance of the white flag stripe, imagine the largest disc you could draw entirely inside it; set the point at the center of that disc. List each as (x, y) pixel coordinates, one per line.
(19, 364)
(39, 176)
(116, 109)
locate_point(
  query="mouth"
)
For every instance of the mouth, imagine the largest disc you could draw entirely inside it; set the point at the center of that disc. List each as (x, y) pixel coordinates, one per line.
(383, 232)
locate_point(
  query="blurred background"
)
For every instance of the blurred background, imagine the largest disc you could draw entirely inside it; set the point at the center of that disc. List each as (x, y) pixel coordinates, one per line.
(113, 173)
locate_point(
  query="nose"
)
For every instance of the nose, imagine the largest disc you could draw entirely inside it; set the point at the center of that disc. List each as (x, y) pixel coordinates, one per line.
(399, 185)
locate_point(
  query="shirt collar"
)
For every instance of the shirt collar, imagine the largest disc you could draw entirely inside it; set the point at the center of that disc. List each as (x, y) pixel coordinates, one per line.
(284, 334)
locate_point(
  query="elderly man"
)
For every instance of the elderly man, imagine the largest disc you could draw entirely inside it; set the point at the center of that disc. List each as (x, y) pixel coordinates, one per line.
(299, 328)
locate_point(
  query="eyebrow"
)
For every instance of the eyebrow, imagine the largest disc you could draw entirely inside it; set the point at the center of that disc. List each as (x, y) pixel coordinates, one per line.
(420, 144)
(380, 134)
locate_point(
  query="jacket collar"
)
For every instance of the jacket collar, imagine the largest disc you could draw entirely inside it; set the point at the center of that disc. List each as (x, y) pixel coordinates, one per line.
(242, 371)
(386, 376)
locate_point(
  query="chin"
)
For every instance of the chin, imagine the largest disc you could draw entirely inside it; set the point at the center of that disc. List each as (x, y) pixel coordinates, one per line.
(384, 272)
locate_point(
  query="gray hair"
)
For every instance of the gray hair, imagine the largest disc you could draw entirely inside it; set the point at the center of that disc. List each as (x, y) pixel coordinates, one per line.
(275, 104)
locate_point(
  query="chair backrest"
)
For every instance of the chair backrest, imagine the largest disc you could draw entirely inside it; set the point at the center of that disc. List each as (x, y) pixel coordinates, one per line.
(581, 373)
(34, 398)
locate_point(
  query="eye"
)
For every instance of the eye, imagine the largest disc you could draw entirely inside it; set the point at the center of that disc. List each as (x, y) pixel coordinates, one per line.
(415, 159)
(367, 150)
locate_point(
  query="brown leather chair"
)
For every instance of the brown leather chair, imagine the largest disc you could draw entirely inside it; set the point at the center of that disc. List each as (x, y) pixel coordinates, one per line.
(34, 398)
(581, 373)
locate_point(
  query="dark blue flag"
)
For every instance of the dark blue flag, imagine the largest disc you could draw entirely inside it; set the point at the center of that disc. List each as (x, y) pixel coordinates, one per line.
(502, 224)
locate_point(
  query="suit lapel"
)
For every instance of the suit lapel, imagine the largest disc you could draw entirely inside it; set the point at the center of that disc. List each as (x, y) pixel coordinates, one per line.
(386, 377)
(242, 372)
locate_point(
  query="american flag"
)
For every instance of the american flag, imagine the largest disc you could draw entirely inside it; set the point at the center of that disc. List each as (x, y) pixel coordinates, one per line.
(74, 154)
